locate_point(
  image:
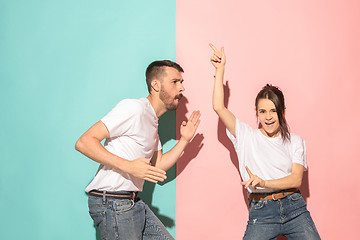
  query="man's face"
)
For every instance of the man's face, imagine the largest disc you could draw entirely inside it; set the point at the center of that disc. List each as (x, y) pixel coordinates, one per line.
(171, 88)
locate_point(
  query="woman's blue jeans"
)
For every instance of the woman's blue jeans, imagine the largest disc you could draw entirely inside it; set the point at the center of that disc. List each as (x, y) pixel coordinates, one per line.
(125, 219)
(287, 216)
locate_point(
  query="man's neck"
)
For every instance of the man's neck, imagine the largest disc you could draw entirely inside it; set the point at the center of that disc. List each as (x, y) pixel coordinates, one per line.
(157, 105)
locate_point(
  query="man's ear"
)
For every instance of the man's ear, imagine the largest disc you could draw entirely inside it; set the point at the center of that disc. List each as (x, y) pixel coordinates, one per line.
(155, 85)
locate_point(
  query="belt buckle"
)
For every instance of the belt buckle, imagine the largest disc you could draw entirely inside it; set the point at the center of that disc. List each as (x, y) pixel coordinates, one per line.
(273, 196)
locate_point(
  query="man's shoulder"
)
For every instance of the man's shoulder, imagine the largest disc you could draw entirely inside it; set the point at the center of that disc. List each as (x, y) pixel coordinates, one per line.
(133, 105)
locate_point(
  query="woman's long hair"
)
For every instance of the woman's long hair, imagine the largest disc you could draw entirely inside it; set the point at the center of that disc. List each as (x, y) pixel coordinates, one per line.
(275, 95)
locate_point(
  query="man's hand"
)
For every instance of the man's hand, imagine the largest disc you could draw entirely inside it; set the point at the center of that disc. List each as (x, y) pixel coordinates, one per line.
(188, 129)
(141, 168)
(254, 180)
(218, 59)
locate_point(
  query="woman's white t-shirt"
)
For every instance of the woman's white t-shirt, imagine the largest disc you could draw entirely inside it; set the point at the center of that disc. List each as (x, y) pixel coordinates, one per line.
(268, 158)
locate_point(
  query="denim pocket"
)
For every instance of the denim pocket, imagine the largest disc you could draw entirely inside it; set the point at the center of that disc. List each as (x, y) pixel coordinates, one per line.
(98, 217)
(123, 205)
(255, 205)
(97, 210)
(295, 196)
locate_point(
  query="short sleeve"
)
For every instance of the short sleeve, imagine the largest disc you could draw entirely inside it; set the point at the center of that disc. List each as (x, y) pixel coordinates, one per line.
(299, 151)
(122, 117)
(241, 131)
(159, 146)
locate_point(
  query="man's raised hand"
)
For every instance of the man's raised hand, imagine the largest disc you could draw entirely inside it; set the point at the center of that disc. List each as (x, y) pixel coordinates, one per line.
(188, 129)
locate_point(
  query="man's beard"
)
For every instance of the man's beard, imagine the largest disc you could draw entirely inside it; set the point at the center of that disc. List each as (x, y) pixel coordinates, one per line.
(169, 101)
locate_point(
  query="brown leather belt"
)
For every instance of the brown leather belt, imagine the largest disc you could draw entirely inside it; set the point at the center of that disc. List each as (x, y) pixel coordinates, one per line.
(272, 196)
(125, 195)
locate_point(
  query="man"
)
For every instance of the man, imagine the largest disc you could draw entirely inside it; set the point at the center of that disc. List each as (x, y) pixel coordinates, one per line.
(132, 154)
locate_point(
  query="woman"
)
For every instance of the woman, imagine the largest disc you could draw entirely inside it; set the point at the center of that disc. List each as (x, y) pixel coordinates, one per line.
(271, 163)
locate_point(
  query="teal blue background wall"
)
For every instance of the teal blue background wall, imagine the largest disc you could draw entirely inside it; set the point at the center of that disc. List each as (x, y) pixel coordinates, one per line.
(63, 66)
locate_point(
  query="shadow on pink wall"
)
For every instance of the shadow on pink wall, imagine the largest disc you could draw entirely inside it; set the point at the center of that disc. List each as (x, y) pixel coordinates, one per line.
(166, 133)
(225, 141)
(194, 147)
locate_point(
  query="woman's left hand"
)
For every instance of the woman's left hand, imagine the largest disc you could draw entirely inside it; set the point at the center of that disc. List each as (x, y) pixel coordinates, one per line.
(254, 180)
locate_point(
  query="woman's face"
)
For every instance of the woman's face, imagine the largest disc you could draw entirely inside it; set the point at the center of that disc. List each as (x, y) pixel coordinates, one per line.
(268, 118)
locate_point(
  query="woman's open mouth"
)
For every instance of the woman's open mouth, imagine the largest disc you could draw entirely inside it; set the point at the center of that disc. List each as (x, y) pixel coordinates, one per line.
(269, 123)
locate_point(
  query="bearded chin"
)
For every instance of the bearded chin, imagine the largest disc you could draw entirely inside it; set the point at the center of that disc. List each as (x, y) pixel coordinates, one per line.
(168, 101)
(171, 106)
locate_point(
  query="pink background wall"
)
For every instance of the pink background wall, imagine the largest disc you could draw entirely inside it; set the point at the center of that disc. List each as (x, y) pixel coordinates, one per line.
(311, 50)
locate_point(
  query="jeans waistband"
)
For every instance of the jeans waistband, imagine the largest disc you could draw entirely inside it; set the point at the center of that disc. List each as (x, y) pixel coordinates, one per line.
(119, 195)
(272, 196)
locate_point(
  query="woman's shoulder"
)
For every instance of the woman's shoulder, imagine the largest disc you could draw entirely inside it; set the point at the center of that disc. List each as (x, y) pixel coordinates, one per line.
(295, 136)
(296, 139)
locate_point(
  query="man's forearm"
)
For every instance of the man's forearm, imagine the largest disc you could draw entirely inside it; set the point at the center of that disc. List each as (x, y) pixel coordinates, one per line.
(168, 159)
(94, 150)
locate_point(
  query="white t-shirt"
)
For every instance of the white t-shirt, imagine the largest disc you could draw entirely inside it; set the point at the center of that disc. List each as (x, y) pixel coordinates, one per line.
(133, 128)
(268, 158)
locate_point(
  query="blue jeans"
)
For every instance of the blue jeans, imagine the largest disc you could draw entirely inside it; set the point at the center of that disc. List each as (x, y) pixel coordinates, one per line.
(125, 219)
(287, 216)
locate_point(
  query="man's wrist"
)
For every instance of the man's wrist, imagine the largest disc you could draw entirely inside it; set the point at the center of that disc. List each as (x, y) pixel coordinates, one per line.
(123, 164)
(184, 140)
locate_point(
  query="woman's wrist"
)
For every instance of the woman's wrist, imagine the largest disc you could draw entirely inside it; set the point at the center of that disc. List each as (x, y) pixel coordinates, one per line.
(220, 69)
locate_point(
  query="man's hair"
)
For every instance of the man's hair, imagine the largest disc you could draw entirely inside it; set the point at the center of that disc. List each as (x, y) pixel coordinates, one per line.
(275, 95)
(156, 69)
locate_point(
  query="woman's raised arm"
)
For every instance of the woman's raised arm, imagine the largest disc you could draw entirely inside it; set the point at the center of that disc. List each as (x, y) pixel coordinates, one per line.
(218, 60)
